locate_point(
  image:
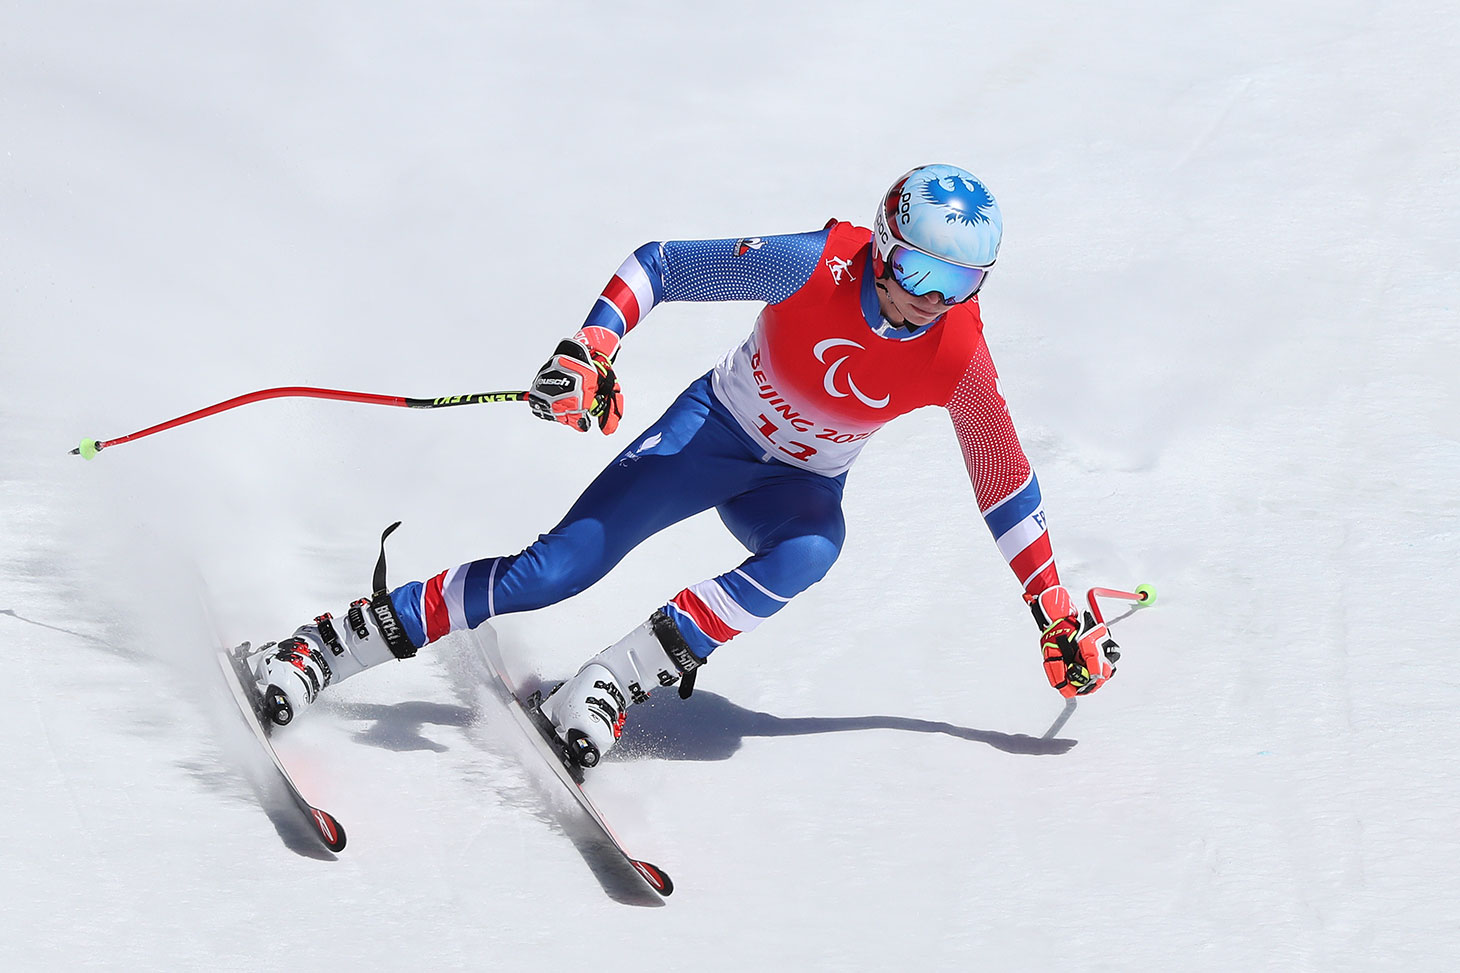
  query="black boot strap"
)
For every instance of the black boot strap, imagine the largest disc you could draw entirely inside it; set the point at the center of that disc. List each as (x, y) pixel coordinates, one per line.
(384, 612)
(379, 583)
(396, 639)
(668, 635)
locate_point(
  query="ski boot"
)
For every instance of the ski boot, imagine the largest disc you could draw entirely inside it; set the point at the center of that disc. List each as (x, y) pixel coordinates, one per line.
(587, 713)
(292, 673)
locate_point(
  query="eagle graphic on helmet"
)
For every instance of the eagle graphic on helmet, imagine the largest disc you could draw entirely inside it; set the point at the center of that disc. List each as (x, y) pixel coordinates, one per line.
(969, 201)
(943, 211)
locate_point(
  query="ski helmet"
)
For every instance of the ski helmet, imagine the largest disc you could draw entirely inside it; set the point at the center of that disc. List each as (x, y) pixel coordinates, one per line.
(938, 229)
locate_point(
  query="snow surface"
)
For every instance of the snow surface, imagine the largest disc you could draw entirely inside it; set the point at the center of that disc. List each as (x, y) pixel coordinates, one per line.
(1224, 315)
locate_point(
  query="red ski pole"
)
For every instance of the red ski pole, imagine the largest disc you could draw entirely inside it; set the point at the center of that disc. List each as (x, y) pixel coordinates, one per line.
(1143, 595)
(90, 447)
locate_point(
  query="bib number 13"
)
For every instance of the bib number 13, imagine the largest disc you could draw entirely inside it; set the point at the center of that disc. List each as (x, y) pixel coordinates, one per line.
(795, 450)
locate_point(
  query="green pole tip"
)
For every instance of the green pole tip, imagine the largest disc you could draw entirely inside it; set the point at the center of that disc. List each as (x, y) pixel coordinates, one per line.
(88, 449)
(1147, 593)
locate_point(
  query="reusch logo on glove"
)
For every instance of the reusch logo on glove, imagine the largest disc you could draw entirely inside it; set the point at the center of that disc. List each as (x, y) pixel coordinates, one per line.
(554, 379)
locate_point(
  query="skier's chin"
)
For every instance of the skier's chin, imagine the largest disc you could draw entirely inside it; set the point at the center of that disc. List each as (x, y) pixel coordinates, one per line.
(910, 325)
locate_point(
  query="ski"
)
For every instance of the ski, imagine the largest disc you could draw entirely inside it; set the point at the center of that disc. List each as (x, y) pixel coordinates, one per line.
(250, 708)
(539, 733)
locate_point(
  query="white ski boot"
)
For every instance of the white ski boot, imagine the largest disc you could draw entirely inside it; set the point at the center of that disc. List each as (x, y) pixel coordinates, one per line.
(292, 673)
(589, 710)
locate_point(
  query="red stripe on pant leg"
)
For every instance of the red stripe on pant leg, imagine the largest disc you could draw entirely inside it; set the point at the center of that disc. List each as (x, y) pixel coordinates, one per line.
(699, 612)
(622, 296)
(438, 616)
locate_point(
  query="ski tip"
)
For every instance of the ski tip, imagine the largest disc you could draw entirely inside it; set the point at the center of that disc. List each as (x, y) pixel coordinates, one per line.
(657, 878)
(330, 831)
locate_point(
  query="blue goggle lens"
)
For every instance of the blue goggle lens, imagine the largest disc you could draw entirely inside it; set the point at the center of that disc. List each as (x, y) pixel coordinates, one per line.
(919, 273)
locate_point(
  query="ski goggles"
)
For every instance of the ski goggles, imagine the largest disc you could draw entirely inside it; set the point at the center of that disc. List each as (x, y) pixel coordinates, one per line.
(921, 273)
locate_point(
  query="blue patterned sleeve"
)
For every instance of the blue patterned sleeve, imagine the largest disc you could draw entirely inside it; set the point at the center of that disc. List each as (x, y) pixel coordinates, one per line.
(768, 269)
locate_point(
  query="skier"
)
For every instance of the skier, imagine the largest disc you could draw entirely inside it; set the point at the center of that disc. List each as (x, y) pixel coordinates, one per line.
(860, 326)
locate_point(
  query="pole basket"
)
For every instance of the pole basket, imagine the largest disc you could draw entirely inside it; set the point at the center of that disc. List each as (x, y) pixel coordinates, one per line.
(1143, 596)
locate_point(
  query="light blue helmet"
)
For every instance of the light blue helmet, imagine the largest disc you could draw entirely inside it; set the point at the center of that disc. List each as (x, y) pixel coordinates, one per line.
(943, 211)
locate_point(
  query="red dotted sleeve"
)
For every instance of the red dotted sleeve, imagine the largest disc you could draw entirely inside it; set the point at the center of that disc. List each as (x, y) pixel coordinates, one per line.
(1003, 482)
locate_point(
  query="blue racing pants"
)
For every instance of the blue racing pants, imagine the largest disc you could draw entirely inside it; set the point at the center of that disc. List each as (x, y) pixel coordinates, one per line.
(693, 458)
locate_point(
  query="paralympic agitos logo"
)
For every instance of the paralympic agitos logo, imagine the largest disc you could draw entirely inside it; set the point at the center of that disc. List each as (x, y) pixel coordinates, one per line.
(829, 382)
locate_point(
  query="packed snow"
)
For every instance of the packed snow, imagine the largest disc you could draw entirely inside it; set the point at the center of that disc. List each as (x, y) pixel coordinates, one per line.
(1224, 317)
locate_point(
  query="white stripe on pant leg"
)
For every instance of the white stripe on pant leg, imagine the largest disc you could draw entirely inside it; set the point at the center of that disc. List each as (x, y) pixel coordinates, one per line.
(730, 611)
(453, 591)
(762, 588)
(492, 588)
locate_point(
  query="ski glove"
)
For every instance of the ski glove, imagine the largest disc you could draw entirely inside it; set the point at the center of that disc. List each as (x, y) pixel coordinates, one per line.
(577, 383)
(1078, 655)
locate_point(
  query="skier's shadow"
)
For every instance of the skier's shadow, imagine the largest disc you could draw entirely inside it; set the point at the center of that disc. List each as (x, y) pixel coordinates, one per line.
(398, 726)
(710, 727)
